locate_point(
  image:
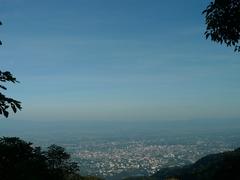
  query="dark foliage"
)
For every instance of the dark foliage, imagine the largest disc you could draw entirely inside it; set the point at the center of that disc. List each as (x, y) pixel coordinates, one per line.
(59, 163)
(222, 18)
(6, 102)
(20, 160)
(220, 166)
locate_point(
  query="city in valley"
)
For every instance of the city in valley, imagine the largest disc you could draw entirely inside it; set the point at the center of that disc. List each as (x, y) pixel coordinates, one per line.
(117, 159)
(114, 151)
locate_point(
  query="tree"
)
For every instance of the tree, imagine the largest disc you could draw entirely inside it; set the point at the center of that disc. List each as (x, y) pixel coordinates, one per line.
(20, 160)
(6, 102)
(222, 18)
(59, 162)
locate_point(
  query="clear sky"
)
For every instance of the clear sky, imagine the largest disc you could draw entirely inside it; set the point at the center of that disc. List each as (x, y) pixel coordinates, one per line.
(116, 60)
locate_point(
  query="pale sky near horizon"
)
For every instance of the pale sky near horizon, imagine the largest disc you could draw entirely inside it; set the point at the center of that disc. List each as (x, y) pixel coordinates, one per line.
(116, 60)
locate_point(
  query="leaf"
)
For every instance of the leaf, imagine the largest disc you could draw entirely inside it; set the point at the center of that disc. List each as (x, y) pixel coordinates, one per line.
(13, 108)
(18, 105)
(5, 113)
(207, 35)
(3, 87)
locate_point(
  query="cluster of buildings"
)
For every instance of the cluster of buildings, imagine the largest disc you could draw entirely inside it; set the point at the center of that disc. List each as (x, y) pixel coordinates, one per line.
(108, 159)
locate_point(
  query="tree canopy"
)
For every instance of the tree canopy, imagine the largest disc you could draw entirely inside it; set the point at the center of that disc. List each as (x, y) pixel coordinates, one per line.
(20, 160)
(222, 18)
(6, 102)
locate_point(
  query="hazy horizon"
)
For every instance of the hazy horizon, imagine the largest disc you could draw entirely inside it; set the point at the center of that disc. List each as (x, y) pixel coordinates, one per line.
(118, 127)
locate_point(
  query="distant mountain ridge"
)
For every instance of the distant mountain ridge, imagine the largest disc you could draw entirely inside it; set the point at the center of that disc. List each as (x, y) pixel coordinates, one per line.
(221, 166)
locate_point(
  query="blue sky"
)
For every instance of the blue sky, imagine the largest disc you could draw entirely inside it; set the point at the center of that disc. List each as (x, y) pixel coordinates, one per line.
(116, 60)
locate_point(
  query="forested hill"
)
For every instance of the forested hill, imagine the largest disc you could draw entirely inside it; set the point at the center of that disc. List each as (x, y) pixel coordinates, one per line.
(219, 166)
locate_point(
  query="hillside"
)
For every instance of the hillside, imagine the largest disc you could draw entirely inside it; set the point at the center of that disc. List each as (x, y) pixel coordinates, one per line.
(219, 166)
